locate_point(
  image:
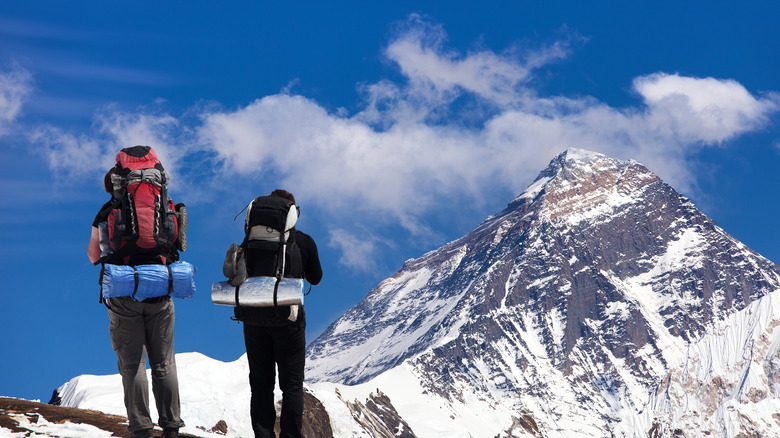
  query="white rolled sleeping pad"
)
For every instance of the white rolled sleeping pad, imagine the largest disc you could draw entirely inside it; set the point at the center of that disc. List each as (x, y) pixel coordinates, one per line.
(259, 292)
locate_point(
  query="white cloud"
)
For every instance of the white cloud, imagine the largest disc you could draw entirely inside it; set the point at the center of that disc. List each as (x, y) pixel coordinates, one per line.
(702, 109)
(397, 160)
(69, 155)
(15, 85)
(357, 251)
(484, 73)
(72, 155)
(437, 75)
(398, 173)
(160, 131)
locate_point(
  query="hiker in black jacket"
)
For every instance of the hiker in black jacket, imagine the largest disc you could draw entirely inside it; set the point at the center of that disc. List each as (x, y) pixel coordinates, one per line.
(273, 340)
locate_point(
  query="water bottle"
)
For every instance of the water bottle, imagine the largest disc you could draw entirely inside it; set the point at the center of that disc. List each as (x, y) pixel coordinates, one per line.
(105, 247)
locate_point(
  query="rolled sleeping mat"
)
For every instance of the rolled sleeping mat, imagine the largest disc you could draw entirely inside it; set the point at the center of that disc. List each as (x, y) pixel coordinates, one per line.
(181, 217)
(259, 292)
(151, 281)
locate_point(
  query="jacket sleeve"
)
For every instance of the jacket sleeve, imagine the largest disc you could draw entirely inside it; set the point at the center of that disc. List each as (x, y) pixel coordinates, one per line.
(311, 260)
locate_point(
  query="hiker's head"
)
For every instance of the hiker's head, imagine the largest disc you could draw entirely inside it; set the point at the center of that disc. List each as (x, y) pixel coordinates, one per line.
(283, 194)
(108, 185)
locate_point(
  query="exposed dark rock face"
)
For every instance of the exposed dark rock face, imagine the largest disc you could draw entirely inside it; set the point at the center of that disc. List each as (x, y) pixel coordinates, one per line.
(316, 421)
(378, 417)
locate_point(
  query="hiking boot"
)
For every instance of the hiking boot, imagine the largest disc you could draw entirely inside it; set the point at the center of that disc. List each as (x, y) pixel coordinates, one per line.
(143, 433)
(170, 433)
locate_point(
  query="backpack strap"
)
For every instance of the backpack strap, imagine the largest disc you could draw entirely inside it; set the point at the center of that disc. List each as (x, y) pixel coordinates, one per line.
(100, 281)
(170, 280)
(161, 237)
(276, 305)
(135, 277)
(280, 261)
(114, 203)
(244, 245)
(123, 205)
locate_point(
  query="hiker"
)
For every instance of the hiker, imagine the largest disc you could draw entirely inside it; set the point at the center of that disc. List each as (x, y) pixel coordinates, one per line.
(275, 335)
(140, 328)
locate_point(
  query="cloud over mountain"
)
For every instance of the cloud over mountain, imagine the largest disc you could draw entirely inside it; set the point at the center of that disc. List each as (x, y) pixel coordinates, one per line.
(453, 125)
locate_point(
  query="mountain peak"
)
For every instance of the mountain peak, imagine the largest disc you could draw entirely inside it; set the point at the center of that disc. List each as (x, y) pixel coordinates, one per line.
(579, 183)
(579, 159)
(574, 155)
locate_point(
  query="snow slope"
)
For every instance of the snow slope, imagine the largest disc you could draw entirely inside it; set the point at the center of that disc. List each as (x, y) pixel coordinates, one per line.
(210, 391)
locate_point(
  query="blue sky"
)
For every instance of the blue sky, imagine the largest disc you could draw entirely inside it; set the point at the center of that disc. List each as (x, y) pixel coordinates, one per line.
(399, 126)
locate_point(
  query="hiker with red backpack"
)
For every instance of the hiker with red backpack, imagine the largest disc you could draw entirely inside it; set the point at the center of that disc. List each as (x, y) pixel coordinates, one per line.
(266, 274)
(136, 237)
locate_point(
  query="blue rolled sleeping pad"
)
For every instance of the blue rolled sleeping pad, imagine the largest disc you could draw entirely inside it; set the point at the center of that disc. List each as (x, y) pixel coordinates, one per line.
(152, 281)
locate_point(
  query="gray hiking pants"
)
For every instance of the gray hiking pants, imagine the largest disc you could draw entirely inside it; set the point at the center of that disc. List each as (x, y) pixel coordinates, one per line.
(138, 329)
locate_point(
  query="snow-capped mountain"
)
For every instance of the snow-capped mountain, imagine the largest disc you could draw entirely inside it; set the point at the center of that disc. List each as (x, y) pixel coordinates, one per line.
(569, 306)
(600, 302)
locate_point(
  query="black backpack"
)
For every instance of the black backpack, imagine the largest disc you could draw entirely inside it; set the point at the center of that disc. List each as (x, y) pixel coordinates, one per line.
(269, 249)
(269, 239)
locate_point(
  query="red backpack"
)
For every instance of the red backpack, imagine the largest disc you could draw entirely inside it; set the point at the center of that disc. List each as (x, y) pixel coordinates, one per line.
(142, 223)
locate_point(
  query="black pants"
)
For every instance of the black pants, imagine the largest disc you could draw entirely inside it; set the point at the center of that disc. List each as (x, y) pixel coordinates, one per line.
(267, 348)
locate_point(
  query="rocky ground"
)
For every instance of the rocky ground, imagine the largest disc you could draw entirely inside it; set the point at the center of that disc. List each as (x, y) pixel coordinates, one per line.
(10, 408)
(316, 421)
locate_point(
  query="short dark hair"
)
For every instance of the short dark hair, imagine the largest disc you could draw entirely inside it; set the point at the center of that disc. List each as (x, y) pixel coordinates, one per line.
(283, 194)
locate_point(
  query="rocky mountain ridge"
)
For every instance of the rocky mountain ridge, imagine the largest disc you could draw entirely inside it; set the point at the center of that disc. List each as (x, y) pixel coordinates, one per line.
(581, 293)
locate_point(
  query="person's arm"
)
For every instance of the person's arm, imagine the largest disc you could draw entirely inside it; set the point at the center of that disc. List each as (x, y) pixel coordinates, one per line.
(313, 269)
(93, 249)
